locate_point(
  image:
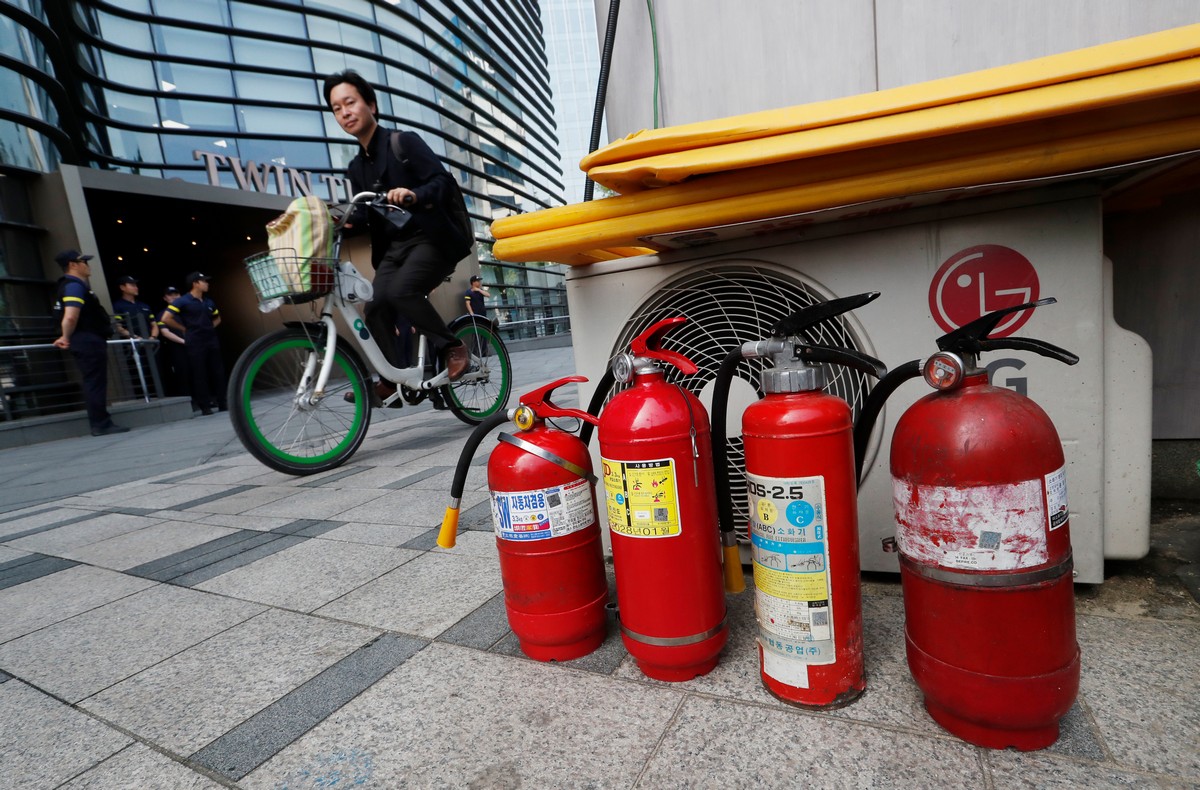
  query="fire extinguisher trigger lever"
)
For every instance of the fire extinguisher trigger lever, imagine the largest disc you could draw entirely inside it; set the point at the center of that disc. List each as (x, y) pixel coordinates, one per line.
(538, 401)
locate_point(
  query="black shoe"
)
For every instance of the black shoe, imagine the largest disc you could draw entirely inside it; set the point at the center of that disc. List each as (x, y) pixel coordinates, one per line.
(108, 429)
(439, 403)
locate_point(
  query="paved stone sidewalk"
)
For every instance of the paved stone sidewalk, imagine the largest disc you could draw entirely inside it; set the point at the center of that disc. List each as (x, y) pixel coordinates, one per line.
(217, 624)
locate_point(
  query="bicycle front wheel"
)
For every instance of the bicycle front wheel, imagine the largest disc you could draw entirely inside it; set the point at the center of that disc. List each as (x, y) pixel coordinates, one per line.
(484, 388)
(278, 416)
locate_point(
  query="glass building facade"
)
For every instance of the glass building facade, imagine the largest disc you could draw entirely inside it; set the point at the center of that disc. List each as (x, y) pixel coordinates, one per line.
(228, 93)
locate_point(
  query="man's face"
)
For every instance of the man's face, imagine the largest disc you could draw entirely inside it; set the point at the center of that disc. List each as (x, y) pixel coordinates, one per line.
(354, 115)
(202, 285)
(129, 291)
(170, 298)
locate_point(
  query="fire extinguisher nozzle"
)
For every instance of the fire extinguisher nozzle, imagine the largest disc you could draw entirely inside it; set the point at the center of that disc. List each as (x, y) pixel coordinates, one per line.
(735, 580)
(448, 534)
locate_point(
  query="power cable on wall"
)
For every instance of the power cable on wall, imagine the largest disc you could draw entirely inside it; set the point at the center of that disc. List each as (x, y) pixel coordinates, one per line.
(610, 33)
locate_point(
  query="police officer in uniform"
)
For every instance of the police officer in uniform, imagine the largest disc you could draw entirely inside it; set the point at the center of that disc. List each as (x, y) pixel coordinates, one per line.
(135, 320)
(172, 352)
(196, 315)
(86, 328)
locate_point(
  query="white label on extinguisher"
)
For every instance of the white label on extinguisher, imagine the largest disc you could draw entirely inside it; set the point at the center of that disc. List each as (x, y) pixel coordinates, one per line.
(790, 543)
(988, 528)
(543, 513)
(641, 498)
(1056, 498)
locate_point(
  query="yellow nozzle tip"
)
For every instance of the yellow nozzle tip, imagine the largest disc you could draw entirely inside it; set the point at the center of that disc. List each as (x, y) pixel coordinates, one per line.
(448, 534)
(735, 581)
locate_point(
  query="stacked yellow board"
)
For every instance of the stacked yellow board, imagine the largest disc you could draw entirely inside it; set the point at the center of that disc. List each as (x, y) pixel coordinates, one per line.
(1108, 105)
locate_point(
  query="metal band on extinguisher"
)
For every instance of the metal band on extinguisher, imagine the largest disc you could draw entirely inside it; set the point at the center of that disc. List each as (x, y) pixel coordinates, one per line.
(546, 455)
(676, 641)
(990, 580)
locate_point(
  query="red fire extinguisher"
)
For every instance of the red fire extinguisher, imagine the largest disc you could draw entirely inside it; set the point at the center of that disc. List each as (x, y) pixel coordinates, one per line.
(980, 498)
(656, 452)
(544, 511)
(799, 456)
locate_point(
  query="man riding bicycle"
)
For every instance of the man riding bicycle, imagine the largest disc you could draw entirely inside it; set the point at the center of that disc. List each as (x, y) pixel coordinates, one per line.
(409, 261)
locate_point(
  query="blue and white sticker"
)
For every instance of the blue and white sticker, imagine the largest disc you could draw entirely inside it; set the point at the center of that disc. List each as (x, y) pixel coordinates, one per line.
(543, 513)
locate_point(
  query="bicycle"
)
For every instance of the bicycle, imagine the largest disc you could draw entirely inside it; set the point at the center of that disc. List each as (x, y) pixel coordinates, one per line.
(286, 390)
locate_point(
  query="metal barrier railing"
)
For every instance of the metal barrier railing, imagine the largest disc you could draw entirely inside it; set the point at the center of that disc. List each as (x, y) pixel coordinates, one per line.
(521, 309)
(40, 379)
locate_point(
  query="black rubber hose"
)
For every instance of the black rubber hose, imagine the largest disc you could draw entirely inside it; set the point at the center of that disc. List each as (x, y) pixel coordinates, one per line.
(720, 405)
(593, 408)
(610, 33)
(874, 405)
(468, 451)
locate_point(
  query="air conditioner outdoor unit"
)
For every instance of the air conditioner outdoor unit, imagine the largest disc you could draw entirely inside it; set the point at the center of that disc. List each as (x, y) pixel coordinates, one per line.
(933, 266)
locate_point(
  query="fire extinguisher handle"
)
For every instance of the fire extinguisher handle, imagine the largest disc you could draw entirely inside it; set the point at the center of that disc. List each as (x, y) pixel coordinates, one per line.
(842, 356)
(539, 401)
(1030, 344)
(649, 345)
(808, 317)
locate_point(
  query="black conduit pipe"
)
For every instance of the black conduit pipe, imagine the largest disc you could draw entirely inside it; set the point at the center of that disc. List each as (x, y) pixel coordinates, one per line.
(610, 33)
(874, 405)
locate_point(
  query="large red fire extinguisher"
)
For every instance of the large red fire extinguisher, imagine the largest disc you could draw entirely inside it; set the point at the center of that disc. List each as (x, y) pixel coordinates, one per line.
(544, 511)
(980, 499)
(656, 452)
(799, 456)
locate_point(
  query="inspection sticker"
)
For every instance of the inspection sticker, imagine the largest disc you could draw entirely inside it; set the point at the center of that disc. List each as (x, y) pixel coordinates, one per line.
(642, 498)
(1056, 498)
(790, 545)
(543, 513)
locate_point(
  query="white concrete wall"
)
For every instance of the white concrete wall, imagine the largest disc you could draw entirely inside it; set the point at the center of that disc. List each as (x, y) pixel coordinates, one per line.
(718, 58)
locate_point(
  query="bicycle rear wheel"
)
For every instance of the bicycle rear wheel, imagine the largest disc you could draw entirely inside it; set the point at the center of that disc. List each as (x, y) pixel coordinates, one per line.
(276, 414)
(485, 387)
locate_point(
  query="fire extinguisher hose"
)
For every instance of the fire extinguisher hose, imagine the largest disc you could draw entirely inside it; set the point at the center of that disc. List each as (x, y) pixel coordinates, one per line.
(449, 531)
(735, 581)
(874, 405)
(598, 397)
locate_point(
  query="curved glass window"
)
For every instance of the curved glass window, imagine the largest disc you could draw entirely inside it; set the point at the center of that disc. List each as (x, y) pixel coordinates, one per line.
(212, 12)
(251, 85)
(270, 120)
(200, 80)
(182, 42)
(129, 72)
(125, 33)
(216, 115)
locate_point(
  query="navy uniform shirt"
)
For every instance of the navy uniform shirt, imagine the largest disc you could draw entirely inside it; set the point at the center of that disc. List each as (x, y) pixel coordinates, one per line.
(196, 315)
(74, 292)
(136, 317)
(475, 299)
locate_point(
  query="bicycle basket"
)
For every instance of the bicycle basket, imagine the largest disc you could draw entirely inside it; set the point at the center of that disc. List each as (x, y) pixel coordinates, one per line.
(295, 279)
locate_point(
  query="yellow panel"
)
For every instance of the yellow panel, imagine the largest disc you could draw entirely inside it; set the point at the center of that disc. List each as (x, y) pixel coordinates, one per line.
(1166, 79)
(1165, 46)
(1029, 161)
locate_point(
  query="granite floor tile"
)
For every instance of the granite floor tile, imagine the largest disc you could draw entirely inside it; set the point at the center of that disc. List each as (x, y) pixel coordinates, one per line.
(371, 477)
(456, 717)
(138, 766)
(250, 499)
(38, 566)
(135, 548)
(1139, 680)
(257, 523)
(800, 750)
(78, 657)
(157, 495)
(13, 525)
(265, 734)
(482, 628)
(375, 534)
(46, 742)
(1013, 770)
(479, 544)
(309, 574)
(63, 540)
(197, 695)
(424, 597)
(8, 554)
(404, 508)
(319, 503)
(55, 598)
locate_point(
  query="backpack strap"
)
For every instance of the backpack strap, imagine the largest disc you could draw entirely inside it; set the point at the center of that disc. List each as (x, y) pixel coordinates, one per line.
(397, 147)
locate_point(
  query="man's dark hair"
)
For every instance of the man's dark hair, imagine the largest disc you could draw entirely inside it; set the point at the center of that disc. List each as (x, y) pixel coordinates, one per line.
(351, 77)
